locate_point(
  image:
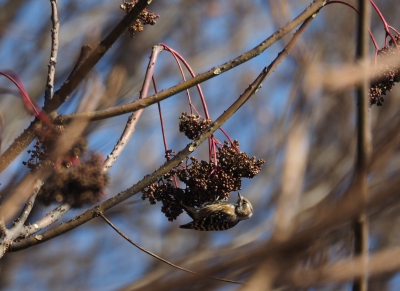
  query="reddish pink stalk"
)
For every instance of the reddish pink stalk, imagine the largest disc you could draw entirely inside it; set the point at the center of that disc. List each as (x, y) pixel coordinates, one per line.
(356, 10)
(191, 73)
(163, 129)
(385, 25)
(29, 105)
(212, 142)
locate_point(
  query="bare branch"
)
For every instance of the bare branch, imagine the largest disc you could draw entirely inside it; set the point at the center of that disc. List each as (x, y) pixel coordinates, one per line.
(133, 119)
(28, 206)
(54, 51)
(50, 218)
(7, 236)
(85, 52)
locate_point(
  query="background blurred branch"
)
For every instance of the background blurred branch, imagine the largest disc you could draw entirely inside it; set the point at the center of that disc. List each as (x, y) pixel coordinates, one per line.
(363, 157)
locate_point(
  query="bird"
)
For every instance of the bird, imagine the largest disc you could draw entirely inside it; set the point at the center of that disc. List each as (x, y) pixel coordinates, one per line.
(218, 215)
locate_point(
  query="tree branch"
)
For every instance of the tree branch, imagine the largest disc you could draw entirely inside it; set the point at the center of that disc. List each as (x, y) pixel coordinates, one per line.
(54, 51)
(133, 119)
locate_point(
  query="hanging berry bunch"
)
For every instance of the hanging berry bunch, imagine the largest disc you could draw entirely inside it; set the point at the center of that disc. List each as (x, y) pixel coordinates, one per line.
(145, 17)
(204, 181)
(388, 73)
(195, 182)
(76, 178)
(193, 125)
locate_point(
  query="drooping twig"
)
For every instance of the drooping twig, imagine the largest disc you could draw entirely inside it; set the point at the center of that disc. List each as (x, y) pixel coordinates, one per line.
(158, 257)
(54, 51)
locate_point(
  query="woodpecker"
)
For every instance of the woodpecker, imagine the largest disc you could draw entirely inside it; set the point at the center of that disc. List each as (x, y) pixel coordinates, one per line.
(218, 215)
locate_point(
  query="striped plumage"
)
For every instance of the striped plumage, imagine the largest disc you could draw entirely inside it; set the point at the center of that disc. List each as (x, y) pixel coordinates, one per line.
(218, 215)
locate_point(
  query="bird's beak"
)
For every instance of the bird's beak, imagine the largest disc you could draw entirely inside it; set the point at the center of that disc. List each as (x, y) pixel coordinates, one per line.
(240, 196)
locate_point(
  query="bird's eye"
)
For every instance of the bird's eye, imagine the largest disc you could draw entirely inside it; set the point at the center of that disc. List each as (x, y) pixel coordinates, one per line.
(244, 202)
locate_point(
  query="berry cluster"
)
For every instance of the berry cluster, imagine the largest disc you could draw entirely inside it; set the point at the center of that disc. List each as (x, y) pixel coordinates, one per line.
(388, 74)
(145, 17)
(192, 126)
(204, 181)
(169, 196)
(76, 178)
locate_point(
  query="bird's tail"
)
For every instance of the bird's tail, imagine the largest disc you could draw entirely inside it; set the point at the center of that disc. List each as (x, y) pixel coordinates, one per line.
(187, 225)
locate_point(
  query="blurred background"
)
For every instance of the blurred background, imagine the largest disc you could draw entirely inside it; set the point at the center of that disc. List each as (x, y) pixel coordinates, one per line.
(206, 34)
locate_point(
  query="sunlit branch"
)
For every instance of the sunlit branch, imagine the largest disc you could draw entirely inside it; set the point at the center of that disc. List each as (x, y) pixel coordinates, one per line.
(54, 50)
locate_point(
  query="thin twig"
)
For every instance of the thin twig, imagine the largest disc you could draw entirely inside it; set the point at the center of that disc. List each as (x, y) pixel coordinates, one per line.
(54, 51)
(85, 52)
(159, 258)
(134, 118)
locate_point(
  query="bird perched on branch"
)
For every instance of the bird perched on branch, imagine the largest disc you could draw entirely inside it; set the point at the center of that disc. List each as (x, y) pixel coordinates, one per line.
(218, 215)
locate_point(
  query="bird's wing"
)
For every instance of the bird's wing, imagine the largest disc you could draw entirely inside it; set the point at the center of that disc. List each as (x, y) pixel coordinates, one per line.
(215, 221)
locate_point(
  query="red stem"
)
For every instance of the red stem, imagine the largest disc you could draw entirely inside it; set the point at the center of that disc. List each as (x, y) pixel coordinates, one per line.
(193, 75)
(29, 105)
(385, 25)
(161, 117)
(356, 10)
(163, 128)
